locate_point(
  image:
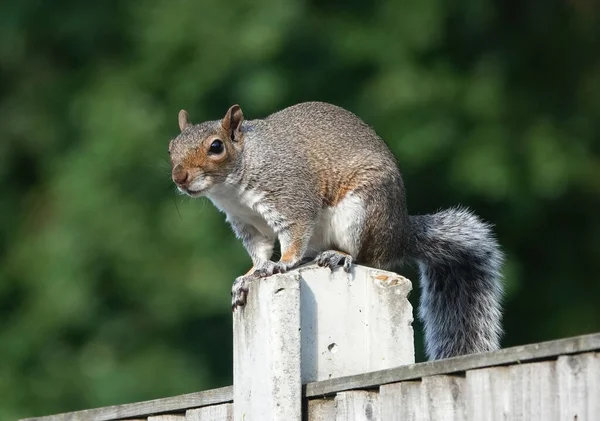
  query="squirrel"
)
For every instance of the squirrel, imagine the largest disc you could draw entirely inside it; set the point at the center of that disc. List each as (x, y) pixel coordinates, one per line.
(322, 182)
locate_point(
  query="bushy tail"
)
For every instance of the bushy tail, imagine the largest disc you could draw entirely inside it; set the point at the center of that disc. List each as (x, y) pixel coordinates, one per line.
(461, 285)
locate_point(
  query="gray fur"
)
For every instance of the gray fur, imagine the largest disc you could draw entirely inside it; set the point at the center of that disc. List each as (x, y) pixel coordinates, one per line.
(288, 170)
(461, 289)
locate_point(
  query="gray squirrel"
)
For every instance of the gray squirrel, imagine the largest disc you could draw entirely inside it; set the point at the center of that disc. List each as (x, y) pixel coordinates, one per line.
(321, 181)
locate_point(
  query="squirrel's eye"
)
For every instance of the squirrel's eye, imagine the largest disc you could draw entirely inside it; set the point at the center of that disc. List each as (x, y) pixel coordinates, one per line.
(216, 147)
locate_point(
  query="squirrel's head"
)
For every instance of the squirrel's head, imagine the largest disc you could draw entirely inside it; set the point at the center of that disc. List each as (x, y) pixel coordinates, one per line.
(203, 155)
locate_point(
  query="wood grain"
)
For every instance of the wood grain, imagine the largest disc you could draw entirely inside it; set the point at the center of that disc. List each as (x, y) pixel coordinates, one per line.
(443, 398)
(357, 405)
(321, 409)
(401, 401)
(488, 393)
(579, 386)
(534, 391)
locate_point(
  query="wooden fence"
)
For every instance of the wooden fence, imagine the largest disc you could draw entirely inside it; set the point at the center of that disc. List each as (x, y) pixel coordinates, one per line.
(339, 347)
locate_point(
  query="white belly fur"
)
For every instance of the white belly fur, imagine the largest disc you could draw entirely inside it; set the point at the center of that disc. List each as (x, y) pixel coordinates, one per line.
(338, 228)
(242, 206)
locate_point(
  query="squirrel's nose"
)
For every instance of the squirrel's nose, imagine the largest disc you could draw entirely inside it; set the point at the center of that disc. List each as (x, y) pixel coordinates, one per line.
(180, 176)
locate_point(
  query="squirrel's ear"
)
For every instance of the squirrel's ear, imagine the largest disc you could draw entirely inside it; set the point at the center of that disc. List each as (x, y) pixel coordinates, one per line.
(184, 120)
(232, 122)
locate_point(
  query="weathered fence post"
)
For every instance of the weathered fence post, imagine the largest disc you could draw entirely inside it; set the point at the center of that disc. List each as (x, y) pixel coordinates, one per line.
(314, 324)
(354, 323)
(266, 352)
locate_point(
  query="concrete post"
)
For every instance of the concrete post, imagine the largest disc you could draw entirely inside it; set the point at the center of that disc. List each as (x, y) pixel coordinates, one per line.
(354, 323)
(266, 352)
(314, 324)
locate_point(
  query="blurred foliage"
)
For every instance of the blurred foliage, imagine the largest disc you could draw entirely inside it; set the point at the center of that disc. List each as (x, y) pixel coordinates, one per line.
(113, 288)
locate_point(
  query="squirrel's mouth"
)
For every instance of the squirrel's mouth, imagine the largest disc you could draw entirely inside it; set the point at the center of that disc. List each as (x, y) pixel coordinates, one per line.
(190, 192)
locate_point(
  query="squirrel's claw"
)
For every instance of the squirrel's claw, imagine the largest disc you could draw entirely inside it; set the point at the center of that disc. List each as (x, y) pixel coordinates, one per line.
(239, 292)
(333, 259)
(269, 268)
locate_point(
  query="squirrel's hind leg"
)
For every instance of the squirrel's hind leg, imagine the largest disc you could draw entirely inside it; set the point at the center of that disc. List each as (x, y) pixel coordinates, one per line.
(338, 235)
(335, 258)
(367, 228)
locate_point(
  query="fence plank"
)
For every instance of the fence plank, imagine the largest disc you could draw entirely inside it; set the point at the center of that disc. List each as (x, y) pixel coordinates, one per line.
(519, 392)
(488, 394)
(167, 418)
(321, 409)
(534, 391)
(579, 387)
(443, 398)
(357, 405)
(222, 412)
(400, 401)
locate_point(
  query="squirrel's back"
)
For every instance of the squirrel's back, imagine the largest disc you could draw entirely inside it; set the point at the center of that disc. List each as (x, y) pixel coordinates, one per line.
(338, 129)
(339, 151)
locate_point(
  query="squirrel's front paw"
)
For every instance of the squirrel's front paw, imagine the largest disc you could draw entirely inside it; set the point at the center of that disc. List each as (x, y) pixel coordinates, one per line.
(239, 291)
(333, 259)
(269, 268)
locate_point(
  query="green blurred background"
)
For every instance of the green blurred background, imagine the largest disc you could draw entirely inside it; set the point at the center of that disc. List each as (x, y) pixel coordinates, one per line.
(114, 288)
